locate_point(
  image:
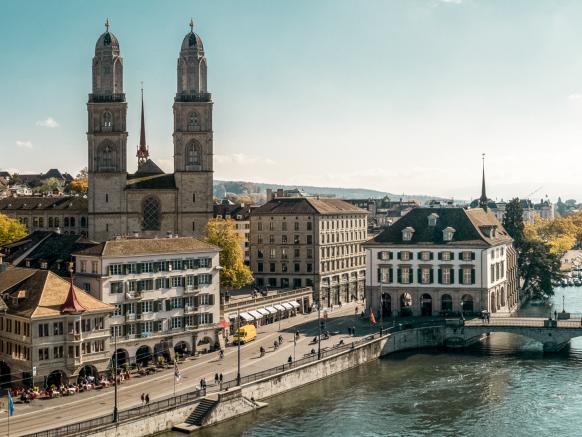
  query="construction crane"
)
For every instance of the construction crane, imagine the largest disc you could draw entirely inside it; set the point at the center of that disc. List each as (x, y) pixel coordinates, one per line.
(534, 191)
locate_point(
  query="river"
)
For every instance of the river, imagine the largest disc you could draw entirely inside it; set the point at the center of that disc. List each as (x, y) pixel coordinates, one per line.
(504, 386)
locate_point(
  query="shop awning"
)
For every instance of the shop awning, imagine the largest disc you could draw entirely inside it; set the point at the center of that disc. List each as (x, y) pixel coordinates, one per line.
(256, 315)
(272, 310)
(288, 306)
(294, 304)
(264, 312)
(280, 307)
(247, 317)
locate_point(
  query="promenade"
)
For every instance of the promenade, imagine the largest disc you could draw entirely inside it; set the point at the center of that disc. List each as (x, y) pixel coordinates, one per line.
(50, 413)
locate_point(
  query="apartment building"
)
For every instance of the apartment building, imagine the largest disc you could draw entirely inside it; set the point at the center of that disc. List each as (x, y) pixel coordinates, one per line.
(310, 242)
(165, 292)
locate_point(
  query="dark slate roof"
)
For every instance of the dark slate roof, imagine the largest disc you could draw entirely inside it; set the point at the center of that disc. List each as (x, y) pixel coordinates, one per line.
(307, 205)
(148, 168)
(45, 246)
(468, 225)
(146, 182)
(70, 203)
(233, 211)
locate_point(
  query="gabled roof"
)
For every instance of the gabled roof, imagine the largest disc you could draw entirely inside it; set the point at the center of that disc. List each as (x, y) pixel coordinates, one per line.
(146, 246)
(307, 205)
(149, 168)
(68, 203)
(43, 294)
(468, 225)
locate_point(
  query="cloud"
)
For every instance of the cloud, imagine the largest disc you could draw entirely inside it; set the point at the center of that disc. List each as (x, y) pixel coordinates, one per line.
(242, 159)
(26, 144)
(50, 122)
(575, 96)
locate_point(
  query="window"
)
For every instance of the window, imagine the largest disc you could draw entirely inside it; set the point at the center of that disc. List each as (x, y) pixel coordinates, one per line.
(176, 322)
(468, 256)
(193, 156)
(297, 267)
(384, 255)
(309, 253)
(259, 226)
(86, 325)
(492, 273)
(271, 239)
(58, 328)
(284, 253)
(206, 299)
(193, 122)
(176, 302)
(309, 267)
(151, 214)
(405, 256)
(272, 253)
(106, 157)
(407, 233)
(309, 226)
(43, 330)
(297, 252)
(118, 310)
(116, 287)
(425, 277)
(116, 269)
(309, 239)
(272, 267)
(446, 256)
(94, 267)
(58, 352)
(446, 275)
(296, 239)
(43, 354)
(384, 274)
(205, 279)
(260, 239)
(259, 267)
(284, 226)
(296, 226)
(425, 256)
(467, 276)
(405, 275)
(147, 306)
(283, 239)
(107, 121)
(260, 253)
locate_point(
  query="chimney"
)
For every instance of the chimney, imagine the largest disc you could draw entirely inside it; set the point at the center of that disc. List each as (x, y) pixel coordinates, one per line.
(269, 194)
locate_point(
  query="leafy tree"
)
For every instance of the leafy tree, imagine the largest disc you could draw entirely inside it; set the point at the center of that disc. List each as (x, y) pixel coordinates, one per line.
(513, 221)
(222, 233)
(47, 186)
(559, 234)
(539, 268)
(11, 230)
(80, 186)
(15, 179)
(83, 174)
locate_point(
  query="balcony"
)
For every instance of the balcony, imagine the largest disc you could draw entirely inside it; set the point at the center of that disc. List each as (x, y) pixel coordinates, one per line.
(71, 336)
(190, 309)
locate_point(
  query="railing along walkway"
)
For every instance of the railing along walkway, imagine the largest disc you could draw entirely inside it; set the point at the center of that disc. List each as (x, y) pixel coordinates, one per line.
(525, 322)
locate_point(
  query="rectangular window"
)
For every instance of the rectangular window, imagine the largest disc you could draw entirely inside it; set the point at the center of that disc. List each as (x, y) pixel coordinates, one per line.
(259, 267)
(118, 310)
(43, 330)
(283, 239)
(115, 269)
(147, 267)
(206, 299)
(284, 268)
(309, 253)
(58, 328)
(309, 267)
(147, 306)
(260, 239)
(309, 239)
(176, 322)
(446, 256)
(272, 267)
(492, 273)
(205, 278)
(297, 267)
(295, 239)
(283, 253)
(116, 287)
(176, 281)
(425, 275)
(309, 226)
(94, 267)
(405, 274)
(43, 354)
(405, 256)
(83, 266)
(272, 253)
(176, 302)
(58, 352)
(259, 226)
(467, 276)
(468, 256)
(425, 256)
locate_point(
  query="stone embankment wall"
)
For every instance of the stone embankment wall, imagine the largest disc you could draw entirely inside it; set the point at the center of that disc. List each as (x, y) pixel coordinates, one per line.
(237, 401)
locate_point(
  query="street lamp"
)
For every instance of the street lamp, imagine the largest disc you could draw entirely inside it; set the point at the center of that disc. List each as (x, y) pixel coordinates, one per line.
(319, 327)
(115, 411)
(238, 347)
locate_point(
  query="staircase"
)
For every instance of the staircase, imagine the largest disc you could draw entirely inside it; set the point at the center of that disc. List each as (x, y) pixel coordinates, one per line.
(202, 409)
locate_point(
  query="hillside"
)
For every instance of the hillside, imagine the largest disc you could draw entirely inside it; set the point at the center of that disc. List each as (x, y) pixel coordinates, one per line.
(240, 188)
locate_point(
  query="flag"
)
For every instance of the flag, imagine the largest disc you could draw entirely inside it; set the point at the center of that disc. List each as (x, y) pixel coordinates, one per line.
(372, 318)
(176, 371)
(10, 404)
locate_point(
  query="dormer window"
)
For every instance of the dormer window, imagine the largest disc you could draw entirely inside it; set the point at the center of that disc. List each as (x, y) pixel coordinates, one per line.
(432, 219)
(448, 233)
(489, 230)
(407, 233)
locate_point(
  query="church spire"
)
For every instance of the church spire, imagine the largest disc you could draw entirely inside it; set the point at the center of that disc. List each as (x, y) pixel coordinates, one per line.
(483, 198)
(142, 150)
(72, 304)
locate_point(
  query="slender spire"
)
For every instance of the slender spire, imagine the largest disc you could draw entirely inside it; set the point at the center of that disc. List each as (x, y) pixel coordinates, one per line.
(142, 150)
(483, 198)
(191, 25)
(72, 304)
(107, 25)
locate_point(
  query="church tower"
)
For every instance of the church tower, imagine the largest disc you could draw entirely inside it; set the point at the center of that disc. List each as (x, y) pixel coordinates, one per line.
(107, 141)
(193, 149)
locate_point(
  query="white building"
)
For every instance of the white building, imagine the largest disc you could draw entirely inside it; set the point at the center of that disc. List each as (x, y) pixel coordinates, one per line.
(165, 290)
(442, 260)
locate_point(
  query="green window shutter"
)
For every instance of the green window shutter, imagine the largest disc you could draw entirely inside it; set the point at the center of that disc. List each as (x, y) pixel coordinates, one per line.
(380, 254)
(195, 281)
(379, 274)
(168, 305)
(211, 299)
(431, 256)
(440, 276)
(410, 276)
(139, 267)
(472, 276)
(399, 276)
(419, 275)
(399, 255)
(460, 276)
(473, 256)
(431, 276)
(440, 256)
(452, 276)
(390, 275)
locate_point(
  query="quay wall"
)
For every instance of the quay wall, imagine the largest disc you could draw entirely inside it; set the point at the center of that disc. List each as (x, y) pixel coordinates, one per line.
(238, 402)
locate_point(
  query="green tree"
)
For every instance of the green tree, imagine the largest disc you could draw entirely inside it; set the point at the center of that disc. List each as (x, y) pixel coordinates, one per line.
(222, 233)
(513, 221)
(539, 268)
(46, 186)
(11, 230)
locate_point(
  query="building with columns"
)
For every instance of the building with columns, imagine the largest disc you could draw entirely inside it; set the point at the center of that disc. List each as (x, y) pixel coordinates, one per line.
(149, 201)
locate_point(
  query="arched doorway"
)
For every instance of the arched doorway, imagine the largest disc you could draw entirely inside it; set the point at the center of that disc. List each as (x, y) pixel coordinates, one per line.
(406, 304)
(181, 348)
(4, 375)
(88, 373)
(143, 355)
(467, 304)
(162, 349)
(56, 378)
(426, 305)
(493, 303)
(386, 305)
(121, 357)
(446, 303)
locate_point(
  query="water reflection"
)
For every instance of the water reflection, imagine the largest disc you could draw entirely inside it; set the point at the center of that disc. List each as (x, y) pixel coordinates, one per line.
(503, 386)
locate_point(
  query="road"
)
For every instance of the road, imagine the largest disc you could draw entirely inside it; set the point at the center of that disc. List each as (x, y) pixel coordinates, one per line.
(50, 413)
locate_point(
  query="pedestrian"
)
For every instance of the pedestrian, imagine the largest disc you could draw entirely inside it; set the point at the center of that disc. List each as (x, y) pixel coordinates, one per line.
(353, 331)
(142, 398)
(202, 383)
(216, 378)
(290, 360)
(220, 378)
(147, 399)
(349, 331)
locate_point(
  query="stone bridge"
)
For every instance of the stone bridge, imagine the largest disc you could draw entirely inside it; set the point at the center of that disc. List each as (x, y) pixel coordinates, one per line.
(554, 335)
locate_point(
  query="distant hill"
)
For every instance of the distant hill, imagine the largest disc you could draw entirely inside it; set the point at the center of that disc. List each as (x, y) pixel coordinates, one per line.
(246, 188)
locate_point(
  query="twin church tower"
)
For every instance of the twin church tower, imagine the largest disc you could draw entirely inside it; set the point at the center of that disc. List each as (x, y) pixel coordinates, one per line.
(149, 202)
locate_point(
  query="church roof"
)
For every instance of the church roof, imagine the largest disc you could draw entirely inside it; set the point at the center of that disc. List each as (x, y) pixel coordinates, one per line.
(107, 40)
(151, 182)
(149, 168)
(192, 41)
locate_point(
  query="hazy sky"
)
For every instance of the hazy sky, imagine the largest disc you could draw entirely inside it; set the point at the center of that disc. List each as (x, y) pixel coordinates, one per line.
(400, 95)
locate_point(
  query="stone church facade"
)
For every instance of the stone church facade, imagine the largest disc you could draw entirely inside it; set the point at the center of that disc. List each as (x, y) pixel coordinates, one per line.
(149, 202)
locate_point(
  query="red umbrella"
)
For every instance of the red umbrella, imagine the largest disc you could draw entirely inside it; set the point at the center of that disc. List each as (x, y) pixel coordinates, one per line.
(224, 324)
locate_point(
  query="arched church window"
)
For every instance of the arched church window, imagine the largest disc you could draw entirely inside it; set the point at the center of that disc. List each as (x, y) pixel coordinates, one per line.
(107, 121)
(151, 214)
(193, 156)
(106, 158)
(193, 122)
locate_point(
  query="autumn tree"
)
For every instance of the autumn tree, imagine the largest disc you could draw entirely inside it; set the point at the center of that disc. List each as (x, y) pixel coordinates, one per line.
(79, 186)
(222, 233)
(11, 230)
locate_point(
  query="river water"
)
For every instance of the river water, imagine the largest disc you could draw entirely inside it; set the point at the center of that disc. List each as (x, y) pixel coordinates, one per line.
(504, 386)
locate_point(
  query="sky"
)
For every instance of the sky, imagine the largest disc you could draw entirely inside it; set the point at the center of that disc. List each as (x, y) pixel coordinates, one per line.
(396, 95)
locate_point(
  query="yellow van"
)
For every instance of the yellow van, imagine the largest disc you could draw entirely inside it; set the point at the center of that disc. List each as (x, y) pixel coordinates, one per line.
(245, 334)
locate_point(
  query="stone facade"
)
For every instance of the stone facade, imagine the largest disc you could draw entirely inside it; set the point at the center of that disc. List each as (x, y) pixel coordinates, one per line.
(312, 242)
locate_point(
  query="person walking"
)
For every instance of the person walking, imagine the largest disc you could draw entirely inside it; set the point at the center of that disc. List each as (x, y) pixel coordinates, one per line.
(147, 399)
(290, 360)
(216, 378)
(142, 398)
(349, 331)
(220, 378)
(353, 331)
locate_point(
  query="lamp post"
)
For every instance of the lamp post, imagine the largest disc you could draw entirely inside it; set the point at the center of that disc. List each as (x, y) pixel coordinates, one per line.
(115, 411)
(319, 327)
(238, 348)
